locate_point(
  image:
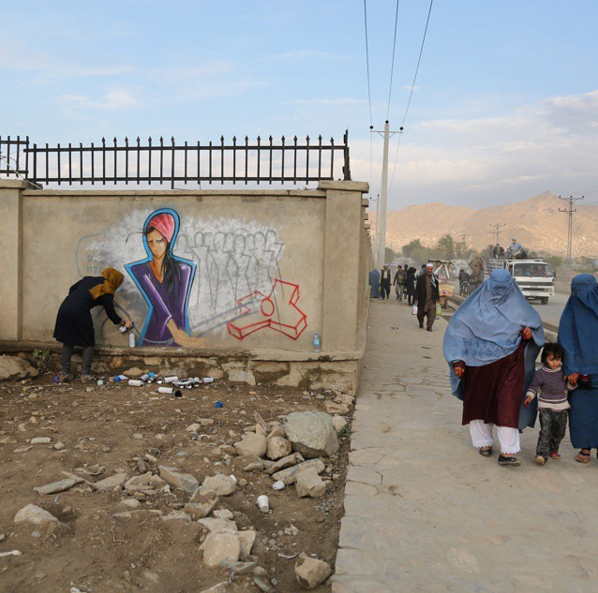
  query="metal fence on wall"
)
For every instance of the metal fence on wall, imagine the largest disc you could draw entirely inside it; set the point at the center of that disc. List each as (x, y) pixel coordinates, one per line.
(171, 163)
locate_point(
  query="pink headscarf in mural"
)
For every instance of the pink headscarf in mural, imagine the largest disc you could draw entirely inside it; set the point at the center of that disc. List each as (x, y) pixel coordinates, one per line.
(164, 223)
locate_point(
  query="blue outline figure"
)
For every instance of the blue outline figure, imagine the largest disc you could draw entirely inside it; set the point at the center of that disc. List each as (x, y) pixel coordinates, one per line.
(168, 298)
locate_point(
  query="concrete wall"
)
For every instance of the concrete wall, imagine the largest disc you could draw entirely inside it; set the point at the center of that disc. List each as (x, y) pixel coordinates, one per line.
(267, 269)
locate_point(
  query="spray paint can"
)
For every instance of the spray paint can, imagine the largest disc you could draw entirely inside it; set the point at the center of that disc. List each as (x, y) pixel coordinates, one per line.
(166, 390)
(131, 340)
(171, 379)
(160, 380)
(123, 329)
(120, 378)
(207, 380)
(135, 383)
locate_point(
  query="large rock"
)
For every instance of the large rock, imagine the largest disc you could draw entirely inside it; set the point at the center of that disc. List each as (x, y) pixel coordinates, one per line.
(178, 480)
(278, 447)
(309, 483)
(111, 482)
(311, 572)
(246, 539)
(285, 462)
(289, 475)
(34, 514)
(254, 444)
(312, 434)
(218, 525)
(221, 547)
(201, 504)
(60, 486)
(14, 368)
(220, 484)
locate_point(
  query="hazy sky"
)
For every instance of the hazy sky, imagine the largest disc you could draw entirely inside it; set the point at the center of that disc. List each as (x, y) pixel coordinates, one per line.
(505, 105)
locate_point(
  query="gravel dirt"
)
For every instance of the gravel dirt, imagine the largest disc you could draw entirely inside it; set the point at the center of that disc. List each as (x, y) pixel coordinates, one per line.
(116, 428)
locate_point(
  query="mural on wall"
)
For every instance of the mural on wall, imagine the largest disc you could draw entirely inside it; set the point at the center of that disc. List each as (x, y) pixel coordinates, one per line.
(165, 282)
(193, 276)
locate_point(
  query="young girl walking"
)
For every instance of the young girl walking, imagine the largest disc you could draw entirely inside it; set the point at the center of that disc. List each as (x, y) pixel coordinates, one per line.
(550, 386)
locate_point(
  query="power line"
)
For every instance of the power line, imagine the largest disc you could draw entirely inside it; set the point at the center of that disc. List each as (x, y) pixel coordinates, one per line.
(367, 56)
(421, 51)
(392, 67)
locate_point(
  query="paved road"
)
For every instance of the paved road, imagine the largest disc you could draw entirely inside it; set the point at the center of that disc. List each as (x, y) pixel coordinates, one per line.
(551, 312)
(424, 512)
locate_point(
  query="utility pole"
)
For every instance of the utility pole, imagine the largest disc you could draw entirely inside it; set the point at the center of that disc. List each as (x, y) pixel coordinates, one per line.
(496, 230)
(381, 213)
(463, 236)
(570, 210)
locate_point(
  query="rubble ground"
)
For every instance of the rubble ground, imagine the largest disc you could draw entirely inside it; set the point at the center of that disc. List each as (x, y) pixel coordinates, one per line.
(118, 540)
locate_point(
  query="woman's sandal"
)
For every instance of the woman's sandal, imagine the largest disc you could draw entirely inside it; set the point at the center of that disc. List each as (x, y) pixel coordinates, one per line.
(583, 456)
(485, 451)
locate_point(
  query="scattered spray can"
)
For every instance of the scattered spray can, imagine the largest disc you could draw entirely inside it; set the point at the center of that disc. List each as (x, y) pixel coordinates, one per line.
(317, 343)
(131, 340)
(171, 379)
(135, 383)
(120, 378)
(166, 390)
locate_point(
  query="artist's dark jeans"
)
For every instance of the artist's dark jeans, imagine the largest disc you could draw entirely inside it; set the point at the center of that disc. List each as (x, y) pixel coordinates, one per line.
(552, 430)
(67, 353)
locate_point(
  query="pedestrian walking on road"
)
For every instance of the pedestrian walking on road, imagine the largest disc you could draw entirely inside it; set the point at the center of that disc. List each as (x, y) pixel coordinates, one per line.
(374, 284)
(385, 279)
(427, 295)
(491, 344)
(74, 325)
(578, 334)
(399, 283)
(410, 285)
(550, 386)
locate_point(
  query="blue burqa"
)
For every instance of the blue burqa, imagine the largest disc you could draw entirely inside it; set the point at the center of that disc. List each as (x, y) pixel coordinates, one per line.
(578, 335)
(374, 284)
(487, 327)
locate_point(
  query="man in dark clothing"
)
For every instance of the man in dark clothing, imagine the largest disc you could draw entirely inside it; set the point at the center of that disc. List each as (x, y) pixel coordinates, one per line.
(498, 251)
(385, 282)
(427, 294)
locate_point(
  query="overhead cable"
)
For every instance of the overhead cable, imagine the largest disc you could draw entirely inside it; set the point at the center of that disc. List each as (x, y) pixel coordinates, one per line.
(421, 51)
(392, 67)
(367, 55)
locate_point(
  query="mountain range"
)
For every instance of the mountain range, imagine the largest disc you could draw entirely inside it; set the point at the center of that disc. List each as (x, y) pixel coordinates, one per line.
(536, 222)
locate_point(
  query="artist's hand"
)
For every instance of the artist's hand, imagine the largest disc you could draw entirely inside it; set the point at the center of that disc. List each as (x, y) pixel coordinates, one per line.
(459, 371)
(527, 401)
(526, 332)
(128, 324)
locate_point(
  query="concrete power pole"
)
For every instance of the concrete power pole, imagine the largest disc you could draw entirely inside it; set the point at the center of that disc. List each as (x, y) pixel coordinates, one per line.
(381, 217)
(570, 210)
(496, 230)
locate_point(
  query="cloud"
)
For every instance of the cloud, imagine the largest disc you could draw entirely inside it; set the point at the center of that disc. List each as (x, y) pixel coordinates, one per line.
(112, 101)
(547, 145)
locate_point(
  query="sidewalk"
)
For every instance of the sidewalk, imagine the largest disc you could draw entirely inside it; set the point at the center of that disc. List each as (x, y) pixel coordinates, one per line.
(424, 512)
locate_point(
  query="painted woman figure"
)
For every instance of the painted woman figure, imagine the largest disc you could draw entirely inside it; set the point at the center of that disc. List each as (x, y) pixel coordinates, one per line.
(165, 282)
(578, 335)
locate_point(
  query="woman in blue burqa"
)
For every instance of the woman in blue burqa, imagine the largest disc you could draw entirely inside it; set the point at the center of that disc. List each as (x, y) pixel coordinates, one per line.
(491, 344)
(578, 335)
(374, 284)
